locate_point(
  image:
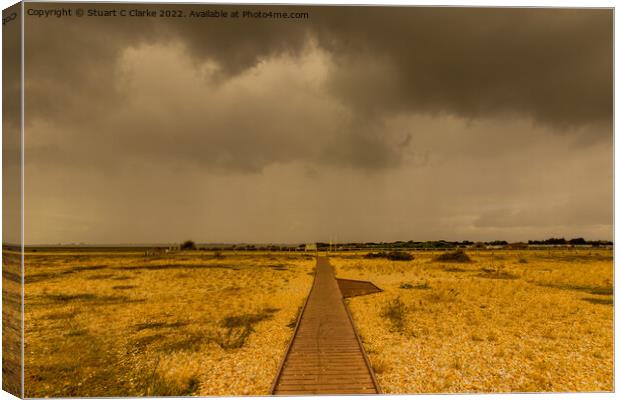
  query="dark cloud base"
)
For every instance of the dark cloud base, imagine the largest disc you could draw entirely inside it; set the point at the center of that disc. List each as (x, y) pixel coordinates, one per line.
(351, 89)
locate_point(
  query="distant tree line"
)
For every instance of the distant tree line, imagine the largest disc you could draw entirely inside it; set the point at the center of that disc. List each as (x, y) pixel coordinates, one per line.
(575, 241)
(398, 245)
(433, 244)
(444, 244)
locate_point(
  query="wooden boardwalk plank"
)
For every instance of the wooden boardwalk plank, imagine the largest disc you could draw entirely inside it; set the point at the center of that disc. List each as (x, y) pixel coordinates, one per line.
(325, 355)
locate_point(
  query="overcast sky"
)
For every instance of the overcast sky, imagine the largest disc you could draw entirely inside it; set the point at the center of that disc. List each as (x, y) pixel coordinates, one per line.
(369, 124)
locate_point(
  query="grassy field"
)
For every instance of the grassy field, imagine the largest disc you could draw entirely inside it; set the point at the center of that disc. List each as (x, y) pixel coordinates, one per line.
(116, 323)
(507, 321)
(11, 322)
(124, 324)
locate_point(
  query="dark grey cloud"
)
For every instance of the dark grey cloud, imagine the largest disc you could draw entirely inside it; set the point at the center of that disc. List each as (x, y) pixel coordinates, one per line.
(551, 65)
(72, 58)
(11, 140)
(378, 123)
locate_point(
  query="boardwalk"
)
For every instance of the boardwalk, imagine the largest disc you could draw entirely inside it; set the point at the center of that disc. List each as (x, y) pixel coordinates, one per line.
(325, 355)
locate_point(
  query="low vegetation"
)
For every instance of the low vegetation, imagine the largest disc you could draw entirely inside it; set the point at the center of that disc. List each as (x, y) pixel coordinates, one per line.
(396, 312)
(391, 255)
(188, 245)
(491, 324)
(11, 322)
(120, 323)
(458, 256)
(422, 286)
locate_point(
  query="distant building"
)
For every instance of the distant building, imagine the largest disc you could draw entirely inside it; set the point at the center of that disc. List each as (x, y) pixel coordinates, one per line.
(310, 247)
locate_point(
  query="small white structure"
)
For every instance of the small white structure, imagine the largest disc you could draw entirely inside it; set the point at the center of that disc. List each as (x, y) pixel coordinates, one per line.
(310, 247)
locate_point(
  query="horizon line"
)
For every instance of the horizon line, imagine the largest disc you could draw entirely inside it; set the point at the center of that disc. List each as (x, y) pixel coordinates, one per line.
(154, 244)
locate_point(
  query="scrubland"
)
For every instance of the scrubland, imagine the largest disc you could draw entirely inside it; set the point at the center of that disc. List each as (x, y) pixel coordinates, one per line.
(190, 323)
(11, 322)
(119, 323)
(506, 321)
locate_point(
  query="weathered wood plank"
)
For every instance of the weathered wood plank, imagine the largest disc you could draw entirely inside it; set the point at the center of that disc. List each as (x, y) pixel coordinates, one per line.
(325, 355)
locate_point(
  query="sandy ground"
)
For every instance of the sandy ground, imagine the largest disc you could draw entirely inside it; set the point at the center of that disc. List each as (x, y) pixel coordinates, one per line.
(11, 322)
(195, 323)
(186, 324)
(509, 321)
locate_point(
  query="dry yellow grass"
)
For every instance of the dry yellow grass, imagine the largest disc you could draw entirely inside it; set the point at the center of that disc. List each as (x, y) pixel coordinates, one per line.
(191, 323)
(509, 321)
(11, 322)
(118, 324)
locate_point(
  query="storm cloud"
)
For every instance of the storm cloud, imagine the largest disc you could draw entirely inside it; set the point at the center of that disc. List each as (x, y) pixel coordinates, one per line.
(439, 122)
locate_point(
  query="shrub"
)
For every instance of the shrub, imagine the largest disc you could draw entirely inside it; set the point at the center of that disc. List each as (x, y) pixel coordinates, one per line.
(157, 385)
(395, 311)
(421, 286)
(381, 254)
(379, 365)
(188, 245)
(453, 256)
(399, 256)
(392, 255)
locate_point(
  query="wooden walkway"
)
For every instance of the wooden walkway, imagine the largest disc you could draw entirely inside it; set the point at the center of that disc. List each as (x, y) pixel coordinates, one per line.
(325, 355)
